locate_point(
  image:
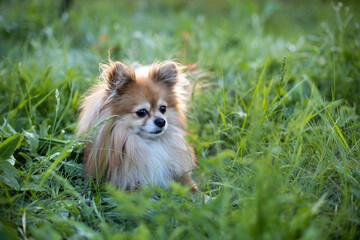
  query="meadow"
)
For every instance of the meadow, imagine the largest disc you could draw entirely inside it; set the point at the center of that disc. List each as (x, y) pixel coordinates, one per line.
(274, 119)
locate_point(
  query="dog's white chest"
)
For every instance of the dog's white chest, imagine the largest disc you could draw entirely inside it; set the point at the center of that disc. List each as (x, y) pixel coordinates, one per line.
(157, 161)
(148, 162)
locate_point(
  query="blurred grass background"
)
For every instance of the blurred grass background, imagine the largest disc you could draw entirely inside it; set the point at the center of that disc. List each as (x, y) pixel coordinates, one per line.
(276, 128)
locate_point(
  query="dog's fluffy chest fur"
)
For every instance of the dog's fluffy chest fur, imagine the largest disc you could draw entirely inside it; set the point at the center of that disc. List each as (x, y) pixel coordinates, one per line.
(152, 162)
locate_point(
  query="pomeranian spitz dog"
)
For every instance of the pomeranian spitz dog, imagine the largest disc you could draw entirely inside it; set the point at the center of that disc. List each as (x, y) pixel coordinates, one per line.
(139, 121)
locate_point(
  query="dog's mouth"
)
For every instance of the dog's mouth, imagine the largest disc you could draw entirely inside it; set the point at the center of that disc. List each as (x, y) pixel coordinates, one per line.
(153, 133)
(156, 132)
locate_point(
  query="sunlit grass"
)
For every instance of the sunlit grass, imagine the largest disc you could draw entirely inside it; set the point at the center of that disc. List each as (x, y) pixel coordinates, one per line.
(275, 124)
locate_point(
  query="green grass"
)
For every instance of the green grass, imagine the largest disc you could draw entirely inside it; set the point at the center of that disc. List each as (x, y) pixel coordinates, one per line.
(275, 123)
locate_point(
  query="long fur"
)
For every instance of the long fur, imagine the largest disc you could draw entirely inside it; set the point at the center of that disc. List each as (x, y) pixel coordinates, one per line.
(115, 152)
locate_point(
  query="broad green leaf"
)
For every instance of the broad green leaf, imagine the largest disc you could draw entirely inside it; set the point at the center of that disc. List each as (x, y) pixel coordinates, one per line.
(8, 147)
(7, 232)
(9, 175)
(9, 170)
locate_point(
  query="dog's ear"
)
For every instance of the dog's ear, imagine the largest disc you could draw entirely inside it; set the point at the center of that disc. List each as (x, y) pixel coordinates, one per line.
(117, 75)
(165, 73)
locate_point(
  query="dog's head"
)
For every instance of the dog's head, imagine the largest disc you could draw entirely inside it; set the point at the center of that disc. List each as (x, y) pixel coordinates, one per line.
(147, 101)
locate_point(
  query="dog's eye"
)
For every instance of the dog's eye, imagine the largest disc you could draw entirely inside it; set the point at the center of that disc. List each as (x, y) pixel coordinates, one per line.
(162, 109)
(142, 113)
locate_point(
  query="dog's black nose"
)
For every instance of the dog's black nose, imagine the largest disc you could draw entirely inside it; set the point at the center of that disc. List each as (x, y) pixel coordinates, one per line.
(160, 122)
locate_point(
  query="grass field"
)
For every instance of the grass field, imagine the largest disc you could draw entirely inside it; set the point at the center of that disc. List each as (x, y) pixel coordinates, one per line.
(275, 123)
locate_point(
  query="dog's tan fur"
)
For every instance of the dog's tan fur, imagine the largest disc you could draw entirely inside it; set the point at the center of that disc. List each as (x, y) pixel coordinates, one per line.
(117, 152)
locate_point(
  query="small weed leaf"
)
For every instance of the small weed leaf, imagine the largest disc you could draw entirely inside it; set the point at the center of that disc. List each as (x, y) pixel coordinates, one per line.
(32, 140)
(8, 147)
